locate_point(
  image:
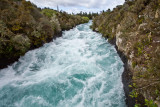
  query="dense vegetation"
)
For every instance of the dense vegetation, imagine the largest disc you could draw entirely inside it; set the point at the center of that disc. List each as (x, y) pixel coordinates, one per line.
(135, 28)
(23, 26)
(89, 15)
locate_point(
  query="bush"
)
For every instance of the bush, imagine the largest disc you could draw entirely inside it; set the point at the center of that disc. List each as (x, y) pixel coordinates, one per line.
(48, 12)
(85, 19)
(150, 103)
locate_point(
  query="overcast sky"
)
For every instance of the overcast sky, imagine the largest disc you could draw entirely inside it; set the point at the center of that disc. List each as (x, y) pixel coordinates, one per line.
(79, 5)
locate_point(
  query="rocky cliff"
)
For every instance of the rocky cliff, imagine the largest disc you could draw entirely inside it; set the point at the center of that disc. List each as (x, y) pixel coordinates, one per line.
(135, 30)
(23, 26)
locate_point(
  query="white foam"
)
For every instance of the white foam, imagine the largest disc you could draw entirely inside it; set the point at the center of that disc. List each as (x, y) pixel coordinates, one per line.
(80, 60)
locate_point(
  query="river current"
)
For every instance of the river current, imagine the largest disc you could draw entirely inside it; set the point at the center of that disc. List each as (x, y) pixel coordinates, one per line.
(79, 69)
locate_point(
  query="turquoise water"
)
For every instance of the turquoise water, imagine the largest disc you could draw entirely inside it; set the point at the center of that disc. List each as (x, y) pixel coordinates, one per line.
(79, 69)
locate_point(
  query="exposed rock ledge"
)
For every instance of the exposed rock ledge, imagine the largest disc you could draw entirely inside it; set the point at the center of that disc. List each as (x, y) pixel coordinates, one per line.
(134, 28)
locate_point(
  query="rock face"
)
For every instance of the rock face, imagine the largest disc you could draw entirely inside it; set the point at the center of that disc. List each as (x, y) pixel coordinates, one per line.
(135, 29)
(23, 26)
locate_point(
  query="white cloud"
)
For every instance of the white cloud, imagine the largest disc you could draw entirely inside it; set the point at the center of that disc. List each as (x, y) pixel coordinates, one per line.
(79, 5)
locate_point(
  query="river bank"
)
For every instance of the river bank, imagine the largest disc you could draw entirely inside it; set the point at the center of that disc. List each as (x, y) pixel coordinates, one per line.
(126, 76)
(134, 29)
(24, 26)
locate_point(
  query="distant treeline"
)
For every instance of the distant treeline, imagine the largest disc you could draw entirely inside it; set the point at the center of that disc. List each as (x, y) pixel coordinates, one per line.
(89, 15)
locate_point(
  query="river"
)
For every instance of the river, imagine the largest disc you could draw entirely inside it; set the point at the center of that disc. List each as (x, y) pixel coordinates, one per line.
(79, 69)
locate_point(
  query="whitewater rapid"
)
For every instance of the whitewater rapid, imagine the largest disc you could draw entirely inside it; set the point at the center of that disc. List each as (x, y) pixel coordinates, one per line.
(79, 69)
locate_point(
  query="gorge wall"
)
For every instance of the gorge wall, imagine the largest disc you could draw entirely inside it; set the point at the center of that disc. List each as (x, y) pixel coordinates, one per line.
(135, 30)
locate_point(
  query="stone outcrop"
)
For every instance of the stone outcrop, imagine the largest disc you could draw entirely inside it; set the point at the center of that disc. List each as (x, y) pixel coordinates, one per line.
(135, 30)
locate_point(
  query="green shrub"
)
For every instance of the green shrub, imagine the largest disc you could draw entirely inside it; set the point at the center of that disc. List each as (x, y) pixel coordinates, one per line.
(16, 28)
(133, 94)
(137, 105)
(134, 64)
(86, 19)
(140, 20)
(48, 12)
(150, 103)
(27, 4)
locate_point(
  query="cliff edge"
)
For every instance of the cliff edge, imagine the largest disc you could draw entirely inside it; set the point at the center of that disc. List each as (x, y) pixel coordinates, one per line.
(134, 28)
